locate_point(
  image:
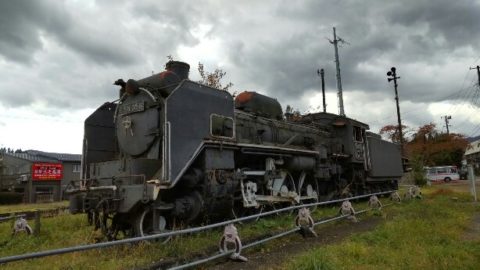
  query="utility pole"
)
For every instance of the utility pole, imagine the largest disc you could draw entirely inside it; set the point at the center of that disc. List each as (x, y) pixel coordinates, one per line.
(478, 74)
(447, 117)
(392, 75)
(335, 42)
(321, 73)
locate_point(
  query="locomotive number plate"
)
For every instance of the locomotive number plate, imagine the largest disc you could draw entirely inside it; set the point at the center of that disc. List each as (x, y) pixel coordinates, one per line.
(132, 108)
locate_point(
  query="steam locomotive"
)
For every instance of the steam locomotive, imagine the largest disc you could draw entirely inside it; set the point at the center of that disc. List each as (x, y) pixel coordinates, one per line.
(173, 151)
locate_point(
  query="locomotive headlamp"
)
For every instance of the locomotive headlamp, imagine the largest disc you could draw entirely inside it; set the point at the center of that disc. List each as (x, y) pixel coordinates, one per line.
(131, 87)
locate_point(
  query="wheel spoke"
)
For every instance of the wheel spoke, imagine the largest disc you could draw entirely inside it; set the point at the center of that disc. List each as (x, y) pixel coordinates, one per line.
(144, 224)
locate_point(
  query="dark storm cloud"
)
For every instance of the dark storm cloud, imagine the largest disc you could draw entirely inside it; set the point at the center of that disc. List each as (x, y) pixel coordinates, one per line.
(75, 52)
(456, 21)
(19, 36)
(23, 23)
(274, 47)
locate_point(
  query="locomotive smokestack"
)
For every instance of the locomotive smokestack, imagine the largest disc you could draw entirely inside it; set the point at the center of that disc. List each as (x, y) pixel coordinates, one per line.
(179, 68)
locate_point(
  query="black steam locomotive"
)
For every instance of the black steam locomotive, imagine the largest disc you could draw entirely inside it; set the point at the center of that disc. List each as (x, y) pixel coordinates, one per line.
(173, 151)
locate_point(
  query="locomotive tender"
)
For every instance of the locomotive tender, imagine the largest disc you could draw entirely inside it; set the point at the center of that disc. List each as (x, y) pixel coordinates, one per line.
(173, 151)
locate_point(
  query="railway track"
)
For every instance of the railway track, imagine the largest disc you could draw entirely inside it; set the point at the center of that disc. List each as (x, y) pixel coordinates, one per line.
(235, 253)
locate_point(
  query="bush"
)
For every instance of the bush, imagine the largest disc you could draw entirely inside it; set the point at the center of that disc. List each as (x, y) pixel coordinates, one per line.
(419, 178)
(11, 197)
(417, 170)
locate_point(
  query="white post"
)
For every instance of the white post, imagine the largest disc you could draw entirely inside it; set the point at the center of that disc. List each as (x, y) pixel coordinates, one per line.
(471, 176)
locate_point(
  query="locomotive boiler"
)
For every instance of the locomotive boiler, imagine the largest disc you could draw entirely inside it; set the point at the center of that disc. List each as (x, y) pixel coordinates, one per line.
(172, 151)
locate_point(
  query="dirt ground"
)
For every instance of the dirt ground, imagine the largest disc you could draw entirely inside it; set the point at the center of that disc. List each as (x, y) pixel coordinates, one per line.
(473, 232)
(295, 244)
(462, 186)
(269, 258)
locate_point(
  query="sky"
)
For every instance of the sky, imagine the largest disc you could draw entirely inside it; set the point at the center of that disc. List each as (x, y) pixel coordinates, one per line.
(58, 59)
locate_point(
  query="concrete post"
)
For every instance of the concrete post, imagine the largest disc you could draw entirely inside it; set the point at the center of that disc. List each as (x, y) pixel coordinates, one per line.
(36, 231)
(471, 177)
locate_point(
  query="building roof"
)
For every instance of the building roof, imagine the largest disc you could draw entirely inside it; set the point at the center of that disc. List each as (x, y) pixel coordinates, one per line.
(473, 147)
(57, 156)
(30, 157)
(40, 156)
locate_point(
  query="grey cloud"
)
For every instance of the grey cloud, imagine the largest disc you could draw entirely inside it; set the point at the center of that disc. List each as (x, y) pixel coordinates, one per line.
(23, 23)
(456, 21)
(13, 97)
(274, 47)
(395, 31)
(19, 37)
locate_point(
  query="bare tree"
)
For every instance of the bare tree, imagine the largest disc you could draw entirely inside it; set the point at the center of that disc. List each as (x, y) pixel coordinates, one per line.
(213, 79)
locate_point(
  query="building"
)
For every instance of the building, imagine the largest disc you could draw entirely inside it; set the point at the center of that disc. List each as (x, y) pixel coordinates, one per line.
(472, 154)
(40, 176)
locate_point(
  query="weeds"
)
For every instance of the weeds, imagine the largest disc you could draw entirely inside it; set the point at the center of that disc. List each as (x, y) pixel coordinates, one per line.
(424, 234)
(421, 233)
(70, 230)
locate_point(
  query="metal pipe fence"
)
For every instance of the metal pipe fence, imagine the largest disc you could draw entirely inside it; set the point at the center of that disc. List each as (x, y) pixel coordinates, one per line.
(30, 214)
(256, 243)
(172, 233)
(2, 219)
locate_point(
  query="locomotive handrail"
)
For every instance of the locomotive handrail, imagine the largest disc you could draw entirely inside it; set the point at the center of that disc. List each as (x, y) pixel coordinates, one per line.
(148, 93)
(172, 233)
(76, 189)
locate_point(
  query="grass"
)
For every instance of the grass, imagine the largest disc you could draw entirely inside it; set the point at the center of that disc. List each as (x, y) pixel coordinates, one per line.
(421, 234)
(433, 217)
(31, 207)
(68, 230)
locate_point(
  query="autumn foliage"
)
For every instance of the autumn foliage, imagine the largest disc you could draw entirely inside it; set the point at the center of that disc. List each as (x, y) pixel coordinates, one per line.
(392, 132)
(431, 147)
(213, 79)
(436, 148)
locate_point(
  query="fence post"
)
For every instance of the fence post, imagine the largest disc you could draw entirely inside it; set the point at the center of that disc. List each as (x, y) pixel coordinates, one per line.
(37, 223)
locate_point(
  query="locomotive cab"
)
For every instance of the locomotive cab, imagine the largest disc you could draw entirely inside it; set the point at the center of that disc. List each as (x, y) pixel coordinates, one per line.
(348, 135)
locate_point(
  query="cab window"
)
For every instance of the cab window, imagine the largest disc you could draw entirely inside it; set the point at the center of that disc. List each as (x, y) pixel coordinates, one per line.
(357, 134)
(221, 126)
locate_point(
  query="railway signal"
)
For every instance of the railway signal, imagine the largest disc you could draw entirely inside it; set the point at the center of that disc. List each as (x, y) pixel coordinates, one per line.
(392, 76)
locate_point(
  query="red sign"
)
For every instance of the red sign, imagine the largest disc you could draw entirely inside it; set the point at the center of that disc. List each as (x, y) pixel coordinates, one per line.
(47, 171)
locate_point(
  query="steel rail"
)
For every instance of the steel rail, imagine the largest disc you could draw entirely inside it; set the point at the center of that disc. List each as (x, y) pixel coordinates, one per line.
(171, 233)
(259, 242)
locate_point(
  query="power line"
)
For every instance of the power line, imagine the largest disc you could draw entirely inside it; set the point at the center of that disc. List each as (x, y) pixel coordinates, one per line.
(463, 100)
(474, 131)
(457, 95)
